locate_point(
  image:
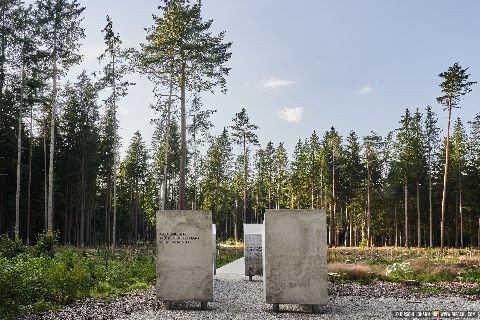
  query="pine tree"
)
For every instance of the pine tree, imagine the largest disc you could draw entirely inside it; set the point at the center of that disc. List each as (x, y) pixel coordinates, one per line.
(332, 144)
(243, 134)
(431, 143)
(182, 45)
(112, 78)
(354, 177)
(59, 22)
(455, 85)
(280, 176)
(199, 132)
(459, 163)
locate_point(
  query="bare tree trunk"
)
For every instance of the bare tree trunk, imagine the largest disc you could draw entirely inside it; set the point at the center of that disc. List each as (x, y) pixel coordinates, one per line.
(368, 206)
(82, 204)
(419, 222)
(350, 229)
(45, 188)
(163, 190)
(245, 177)
(114, 222)
(321, 188)
(396, 225)
(235, 223)
(430, 208)
(445, 175)
(406, 210)
(29, 176)
(478, 234)
(19, 157)
(461, 218)
(52, 145)
(456, 222)
(183, 143)
(334, 204)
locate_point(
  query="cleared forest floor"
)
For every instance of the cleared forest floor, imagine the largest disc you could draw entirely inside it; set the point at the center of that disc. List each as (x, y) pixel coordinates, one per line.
(238, 298)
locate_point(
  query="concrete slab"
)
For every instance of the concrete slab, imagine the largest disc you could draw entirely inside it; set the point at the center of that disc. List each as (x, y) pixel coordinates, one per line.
(253, 249)
(295, 257)
(184, 256)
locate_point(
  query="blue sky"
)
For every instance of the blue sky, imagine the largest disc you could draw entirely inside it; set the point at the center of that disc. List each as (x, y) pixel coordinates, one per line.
(309, 65)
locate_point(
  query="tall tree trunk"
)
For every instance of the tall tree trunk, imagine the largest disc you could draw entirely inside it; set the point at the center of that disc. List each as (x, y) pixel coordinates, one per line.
(235, 223)
(29, 176)
(478, 234)
(430, 208)
(456, 222)
(19, 155)
(350, 242)
(406, 210)
(82, 203)
(45, 180)
(3, 44)
(334, 204)
(244, 180)
(419, 222)
(183, 140)
(114, 222)
(396, 225)
(461, 217)
(445, 175)
(368, 206)
(321, 188)
(50, 226)
(163, 190)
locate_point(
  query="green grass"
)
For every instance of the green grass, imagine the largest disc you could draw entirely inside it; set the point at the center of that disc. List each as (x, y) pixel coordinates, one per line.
(228, 254)
(44, 277)
(365, 265)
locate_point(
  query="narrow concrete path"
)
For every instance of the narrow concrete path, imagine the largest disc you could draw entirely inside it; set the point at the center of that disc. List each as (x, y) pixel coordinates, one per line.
(235, 267)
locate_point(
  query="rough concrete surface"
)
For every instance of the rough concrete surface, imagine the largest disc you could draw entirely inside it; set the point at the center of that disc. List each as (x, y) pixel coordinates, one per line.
(184, 256)
(295, 257)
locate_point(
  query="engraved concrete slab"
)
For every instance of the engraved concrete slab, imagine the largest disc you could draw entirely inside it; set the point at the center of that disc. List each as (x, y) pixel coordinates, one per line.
(252, 249)
(295, 257)
(184, 256)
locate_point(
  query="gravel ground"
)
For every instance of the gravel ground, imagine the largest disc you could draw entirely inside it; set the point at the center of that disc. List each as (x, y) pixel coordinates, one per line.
(237, 298)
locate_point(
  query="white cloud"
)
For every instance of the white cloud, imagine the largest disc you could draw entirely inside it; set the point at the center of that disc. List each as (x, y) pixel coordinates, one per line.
(292, 115)
(275, 83)
(365, 90)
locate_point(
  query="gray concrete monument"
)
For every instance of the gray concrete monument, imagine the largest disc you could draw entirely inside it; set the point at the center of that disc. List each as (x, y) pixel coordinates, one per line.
(252, 249)
(214, 242)
(295, 258)
(184, 257)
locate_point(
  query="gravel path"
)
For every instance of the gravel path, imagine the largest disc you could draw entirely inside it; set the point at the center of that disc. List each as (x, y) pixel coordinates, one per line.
(238, 298)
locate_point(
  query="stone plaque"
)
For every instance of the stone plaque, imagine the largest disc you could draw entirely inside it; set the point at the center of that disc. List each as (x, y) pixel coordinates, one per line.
(295, 257)
(253, 249)
(184, 256)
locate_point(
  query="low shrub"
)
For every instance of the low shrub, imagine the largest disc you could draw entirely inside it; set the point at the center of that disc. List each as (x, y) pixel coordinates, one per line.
(46, 243)
(11, 248)
(399, 271)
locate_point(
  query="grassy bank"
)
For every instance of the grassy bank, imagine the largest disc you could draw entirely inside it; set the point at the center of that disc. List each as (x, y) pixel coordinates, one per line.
(410, 265)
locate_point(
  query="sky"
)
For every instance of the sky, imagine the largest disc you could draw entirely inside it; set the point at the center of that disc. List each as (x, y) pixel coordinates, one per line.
(300, 66)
